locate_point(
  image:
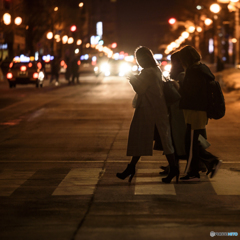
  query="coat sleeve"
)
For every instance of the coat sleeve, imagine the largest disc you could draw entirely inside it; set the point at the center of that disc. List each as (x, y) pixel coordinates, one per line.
(140, 83)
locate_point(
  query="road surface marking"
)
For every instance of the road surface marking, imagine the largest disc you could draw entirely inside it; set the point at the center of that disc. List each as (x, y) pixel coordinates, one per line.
(79, 181)
(226, 182)
(11, 179)
(152, 185)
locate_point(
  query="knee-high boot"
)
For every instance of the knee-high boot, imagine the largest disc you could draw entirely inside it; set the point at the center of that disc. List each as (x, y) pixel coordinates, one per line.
(174, 169)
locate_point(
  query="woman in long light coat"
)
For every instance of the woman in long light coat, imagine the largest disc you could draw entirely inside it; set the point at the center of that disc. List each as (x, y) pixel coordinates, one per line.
(151, 111)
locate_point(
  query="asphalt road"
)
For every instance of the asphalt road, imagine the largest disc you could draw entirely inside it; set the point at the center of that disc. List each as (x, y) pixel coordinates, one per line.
(60, 149)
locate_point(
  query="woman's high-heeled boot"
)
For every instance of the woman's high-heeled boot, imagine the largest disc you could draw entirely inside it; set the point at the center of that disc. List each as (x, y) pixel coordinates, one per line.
(129, 171)
(174, 169)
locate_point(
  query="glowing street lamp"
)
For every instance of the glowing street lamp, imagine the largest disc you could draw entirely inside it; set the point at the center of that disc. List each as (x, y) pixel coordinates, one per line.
(79, 42)
(81, 4)
(49, 35)
(70, 40)
(185, 35)
(215, 8)
(64, 39)
(7, 18)
(18, 20)
(55, 9)
(208, 21)
(191, 29)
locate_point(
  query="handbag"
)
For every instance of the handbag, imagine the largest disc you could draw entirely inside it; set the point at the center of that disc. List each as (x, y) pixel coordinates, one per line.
(170, 92)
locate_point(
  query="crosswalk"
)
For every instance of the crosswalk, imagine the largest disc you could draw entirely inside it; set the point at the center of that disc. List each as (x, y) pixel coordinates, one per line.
(83, 181)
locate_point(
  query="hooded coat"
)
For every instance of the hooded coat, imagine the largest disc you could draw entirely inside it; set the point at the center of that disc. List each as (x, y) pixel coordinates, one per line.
(151, 111)
(193, 89)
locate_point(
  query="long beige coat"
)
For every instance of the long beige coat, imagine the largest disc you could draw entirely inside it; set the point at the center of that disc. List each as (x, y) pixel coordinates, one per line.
(151, 110)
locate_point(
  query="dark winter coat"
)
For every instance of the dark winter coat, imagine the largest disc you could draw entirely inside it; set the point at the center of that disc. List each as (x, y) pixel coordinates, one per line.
(193, 89)
(151, 111)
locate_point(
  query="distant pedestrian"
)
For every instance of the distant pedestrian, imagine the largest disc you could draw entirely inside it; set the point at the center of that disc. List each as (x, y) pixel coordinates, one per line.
(55, 68)
(68, 69)
(74, 69)
(151, 111)
(194, 103)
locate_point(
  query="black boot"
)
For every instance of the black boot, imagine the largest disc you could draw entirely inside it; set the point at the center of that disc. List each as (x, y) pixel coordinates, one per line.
(129, 171)
(174, 169)
(165, 170)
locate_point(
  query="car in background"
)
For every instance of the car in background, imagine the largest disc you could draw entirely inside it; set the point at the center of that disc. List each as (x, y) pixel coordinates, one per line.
(165, 66)
(114, 67)
(86, 66)
(25, 73)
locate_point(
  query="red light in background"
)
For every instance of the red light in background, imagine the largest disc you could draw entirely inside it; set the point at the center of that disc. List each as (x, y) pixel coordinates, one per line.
(23, 68)
(62, 63)
(114, 45)
(163, 63)
(79, 62)
(10, 65)
(35, 75)
(30, 65)
(39, 65)
(73, 28)
(9, 76)
(172, 21)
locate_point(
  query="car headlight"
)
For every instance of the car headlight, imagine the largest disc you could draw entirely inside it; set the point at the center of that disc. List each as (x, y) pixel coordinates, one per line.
(124, 68)
(134, 68)
(168, 67)
(105, 67)
(165, 73)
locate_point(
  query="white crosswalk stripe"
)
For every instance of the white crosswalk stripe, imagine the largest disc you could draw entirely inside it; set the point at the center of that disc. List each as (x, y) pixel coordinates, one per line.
(152, 185)
(226, 182)
(79, 181)
(11, 179)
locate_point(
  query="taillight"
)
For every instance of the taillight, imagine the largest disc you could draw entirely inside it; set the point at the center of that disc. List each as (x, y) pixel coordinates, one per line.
(23, 68)
(30, 65)
(9, 76)
(10, 65)
(35, 75)
(39, 65)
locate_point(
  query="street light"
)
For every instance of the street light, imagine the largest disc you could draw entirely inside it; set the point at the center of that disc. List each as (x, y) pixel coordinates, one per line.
(18, 21)
(7, 18)
(215, 8)
(49, 35)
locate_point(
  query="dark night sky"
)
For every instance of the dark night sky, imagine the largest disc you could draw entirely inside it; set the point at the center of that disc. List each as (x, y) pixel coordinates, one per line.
(143, 22)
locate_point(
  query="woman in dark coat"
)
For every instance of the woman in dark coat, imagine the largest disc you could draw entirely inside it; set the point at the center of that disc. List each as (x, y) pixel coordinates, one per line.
(194, 103)
(151, 111)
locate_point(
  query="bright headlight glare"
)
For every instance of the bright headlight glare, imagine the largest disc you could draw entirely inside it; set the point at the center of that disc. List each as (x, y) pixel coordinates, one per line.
(124, 67)
(105, 67)
(168, 67)
(95, 69)
(165, 73)
(134, 68)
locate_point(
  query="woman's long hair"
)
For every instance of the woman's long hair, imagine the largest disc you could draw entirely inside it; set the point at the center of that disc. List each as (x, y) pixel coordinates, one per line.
(177, 67)
(145, 58)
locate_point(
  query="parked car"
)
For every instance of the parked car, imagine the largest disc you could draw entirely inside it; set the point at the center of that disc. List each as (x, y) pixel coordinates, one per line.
(25, 73)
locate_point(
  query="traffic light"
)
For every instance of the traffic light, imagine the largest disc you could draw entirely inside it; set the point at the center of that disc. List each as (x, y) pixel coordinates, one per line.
(172, 21)
(73, 28)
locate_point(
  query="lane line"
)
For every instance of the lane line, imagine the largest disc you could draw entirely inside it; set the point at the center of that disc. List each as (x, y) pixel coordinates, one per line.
(79, 181)
(152, 185)
(11, 179)
(226, 182)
